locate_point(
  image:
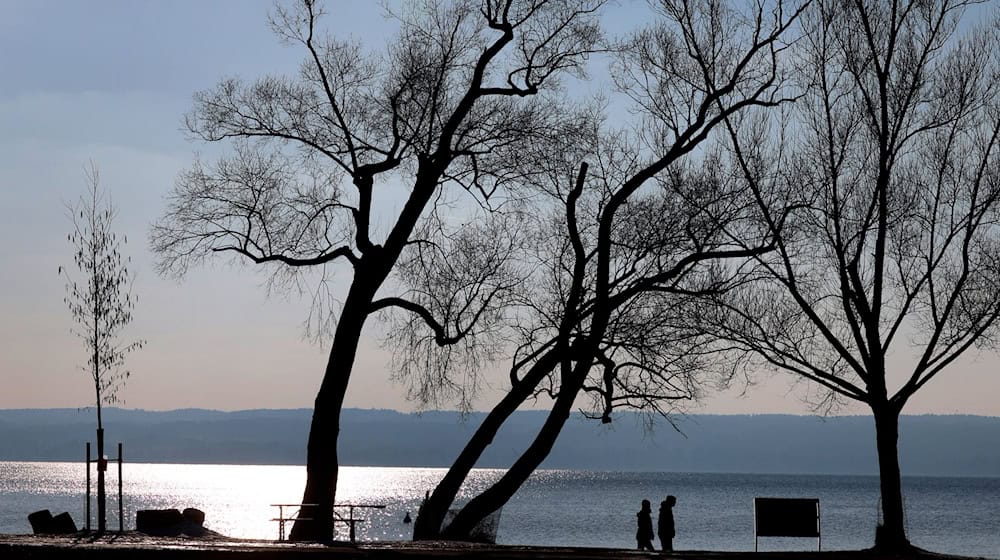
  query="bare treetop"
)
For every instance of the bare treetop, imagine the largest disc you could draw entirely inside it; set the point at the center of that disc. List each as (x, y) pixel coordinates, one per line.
(101, 302)
(447, 93)
(901, 120)
(889, 270)
(359, 157)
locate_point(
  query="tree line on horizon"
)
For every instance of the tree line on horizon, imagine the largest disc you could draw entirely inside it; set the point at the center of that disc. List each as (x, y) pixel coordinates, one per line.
(804, 186)
(942, 446)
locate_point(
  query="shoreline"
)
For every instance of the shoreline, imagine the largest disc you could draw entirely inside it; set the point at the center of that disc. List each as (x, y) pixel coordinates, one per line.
(132, 544)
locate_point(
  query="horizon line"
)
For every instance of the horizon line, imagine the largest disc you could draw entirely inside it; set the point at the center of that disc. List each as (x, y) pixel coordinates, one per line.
(474, 412)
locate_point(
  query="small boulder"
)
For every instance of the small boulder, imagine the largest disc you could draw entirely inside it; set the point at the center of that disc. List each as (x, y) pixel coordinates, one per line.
(194, 516)
(193, 522)
(41, 522)
(160, 522)
(63, 524)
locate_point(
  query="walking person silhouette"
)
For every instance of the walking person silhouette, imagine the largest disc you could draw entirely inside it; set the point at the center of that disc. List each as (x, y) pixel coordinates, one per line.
(644, 533)
(665, 523)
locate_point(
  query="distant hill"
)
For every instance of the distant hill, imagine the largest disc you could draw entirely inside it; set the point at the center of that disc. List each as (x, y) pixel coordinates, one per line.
(929, 445)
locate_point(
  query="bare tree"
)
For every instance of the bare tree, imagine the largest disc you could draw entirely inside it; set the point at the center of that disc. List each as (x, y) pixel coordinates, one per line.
(626, 245)
(101, 304)
(464, 101)
(894, 148)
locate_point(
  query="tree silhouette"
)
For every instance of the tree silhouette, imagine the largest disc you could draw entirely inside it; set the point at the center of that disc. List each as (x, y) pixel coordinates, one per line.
(101, 304)
(352, 161)
(893, 152)
(659, 218)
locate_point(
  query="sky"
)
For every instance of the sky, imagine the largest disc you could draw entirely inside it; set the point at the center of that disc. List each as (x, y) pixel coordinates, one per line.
(109, 81)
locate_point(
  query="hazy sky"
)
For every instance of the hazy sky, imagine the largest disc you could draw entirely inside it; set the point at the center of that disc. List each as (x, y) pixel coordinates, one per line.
(109, 81)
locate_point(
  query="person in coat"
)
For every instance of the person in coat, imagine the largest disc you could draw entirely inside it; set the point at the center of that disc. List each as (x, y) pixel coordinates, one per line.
(665, 523)
(644, 534)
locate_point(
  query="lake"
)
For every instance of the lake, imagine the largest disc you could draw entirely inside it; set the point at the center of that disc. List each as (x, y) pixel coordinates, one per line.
(555, 507)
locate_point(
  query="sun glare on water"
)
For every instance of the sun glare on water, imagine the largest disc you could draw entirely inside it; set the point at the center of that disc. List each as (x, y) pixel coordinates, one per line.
(237, 500)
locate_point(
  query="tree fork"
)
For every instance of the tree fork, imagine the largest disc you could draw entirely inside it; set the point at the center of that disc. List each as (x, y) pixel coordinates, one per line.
(494, 497)
(432, 512)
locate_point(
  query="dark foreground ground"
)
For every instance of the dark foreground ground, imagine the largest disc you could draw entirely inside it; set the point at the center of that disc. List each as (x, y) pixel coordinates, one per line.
(139, 546)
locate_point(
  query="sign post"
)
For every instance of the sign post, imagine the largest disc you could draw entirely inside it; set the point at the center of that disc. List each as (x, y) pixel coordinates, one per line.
(88, 486)
(786, 517)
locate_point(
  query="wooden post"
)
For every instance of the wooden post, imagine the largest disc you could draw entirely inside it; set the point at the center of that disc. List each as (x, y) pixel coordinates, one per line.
(88, 485)
(350, 519)
(819, 529)
(121, 506)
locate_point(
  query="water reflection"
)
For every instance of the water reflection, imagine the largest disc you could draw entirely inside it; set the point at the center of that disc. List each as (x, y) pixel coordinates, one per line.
(236, 499)
(555, 507)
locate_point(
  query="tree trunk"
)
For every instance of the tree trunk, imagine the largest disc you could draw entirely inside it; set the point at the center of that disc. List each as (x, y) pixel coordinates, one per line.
(494, 497)
(315, 523)
(322, 465)
(102, 510)
(890, 536)
(428, 523)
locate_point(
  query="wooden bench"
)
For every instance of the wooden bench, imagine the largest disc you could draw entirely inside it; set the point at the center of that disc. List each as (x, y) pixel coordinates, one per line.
(786, 517)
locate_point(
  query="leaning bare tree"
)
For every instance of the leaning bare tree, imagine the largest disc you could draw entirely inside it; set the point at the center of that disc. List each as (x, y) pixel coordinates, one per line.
(101, 302)
(893, 270)
(608, 310)
(337, 166)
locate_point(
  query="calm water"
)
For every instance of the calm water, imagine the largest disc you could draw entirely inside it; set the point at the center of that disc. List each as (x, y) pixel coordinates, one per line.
(556, 507)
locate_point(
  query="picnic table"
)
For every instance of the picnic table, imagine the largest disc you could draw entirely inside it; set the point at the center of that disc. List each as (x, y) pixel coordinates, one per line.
(350, 520)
